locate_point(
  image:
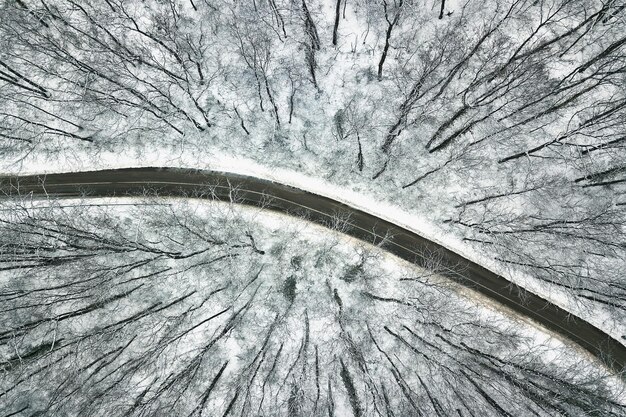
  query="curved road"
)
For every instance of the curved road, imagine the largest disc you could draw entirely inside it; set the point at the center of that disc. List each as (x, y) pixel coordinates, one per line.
(399, 241)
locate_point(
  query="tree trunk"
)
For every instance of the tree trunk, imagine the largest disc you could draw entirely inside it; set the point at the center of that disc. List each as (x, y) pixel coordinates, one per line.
(336, 27)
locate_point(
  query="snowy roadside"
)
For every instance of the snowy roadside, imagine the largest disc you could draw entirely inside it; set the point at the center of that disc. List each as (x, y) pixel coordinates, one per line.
(363, 201)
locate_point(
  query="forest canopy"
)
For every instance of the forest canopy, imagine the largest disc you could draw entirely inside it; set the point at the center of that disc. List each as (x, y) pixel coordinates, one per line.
(502, 122)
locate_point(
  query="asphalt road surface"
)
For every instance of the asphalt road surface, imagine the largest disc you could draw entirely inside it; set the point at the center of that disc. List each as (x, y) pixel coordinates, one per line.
(325, 211)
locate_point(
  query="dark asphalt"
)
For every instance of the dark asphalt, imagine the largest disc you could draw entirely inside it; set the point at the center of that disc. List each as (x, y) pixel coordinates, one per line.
(401, 242)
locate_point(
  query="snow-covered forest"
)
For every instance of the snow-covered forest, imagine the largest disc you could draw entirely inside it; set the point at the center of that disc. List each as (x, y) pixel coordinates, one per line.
(179, 308)
(500, 124)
